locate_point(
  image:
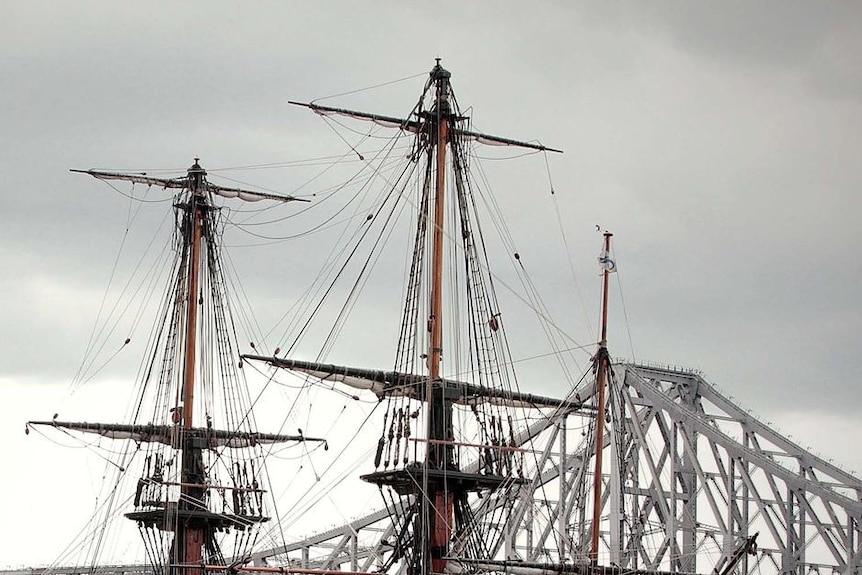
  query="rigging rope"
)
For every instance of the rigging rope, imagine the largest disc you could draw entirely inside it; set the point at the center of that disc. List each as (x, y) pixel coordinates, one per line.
(372, 87)
(625, 311)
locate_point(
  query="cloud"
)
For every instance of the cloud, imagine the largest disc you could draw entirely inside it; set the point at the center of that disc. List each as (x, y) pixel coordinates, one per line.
(718, 142)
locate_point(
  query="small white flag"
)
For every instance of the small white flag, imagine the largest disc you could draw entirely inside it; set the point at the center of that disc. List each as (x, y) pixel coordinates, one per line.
(607, 262)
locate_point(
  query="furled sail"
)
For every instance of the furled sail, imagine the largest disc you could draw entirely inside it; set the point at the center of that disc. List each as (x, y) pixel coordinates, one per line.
(392, 383)
(169, 434)
(414, 126)
(180, 183)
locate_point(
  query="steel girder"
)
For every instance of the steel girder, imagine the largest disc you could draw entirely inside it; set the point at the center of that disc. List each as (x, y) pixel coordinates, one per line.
(691, 474)
(716, 473)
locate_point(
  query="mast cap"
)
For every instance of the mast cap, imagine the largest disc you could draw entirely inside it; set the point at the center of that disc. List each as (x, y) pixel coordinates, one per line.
(196, 168)
(438, 72)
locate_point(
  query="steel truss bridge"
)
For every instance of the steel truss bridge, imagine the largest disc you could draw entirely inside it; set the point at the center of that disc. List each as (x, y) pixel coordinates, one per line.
(688, 475)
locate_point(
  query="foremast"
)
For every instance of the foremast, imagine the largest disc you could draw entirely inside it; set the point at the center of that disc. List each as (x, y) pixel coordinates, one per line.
(180, 511)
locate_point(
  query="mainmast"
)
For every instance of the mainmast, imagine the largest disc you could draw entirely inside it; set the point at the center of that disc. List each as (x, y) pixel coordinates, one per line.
(192, 535)
(438, 453)
(436, 511)
(601, 367)
(440, 115)
(196, 208)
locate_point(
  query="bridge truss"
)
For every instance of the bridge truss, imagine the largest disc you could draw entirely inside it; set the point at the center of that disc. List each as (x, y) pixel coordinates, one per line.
(689, 475)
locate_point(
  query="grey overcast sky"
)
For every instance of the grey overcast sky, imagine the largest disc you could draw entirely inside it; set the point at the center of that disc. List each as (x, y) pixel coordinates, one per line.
(719, 141)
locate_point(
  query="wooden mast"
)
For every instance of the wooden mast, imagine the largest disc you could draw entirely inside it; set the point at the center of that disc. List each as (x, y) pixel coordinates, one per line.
(601, 365)
(191, 538)
(196, 206)
(190, 521)
(441, 513)
(442, 116)
(437, 484)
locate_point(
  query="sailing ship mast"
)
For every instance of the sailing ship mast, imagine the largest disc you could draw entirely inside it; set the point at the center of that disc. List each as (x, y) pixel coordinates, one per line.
(431, 518)
(436, 488)
(192, 536)
(601, 362)
(190, 519)
(439, 450)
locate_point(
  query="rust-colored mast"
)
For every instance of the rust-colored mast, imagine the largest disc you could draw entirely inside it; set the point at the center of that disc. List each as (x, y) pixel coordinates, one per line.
(436, 343)
(601, 366)
(442, 485)
(189, 520)
(192, 538)
(442, 504)
(196, 205)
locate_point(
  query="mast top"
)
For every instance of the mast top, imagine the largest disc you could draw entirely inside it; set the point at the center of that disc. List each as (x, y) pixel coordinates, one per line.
(195, 181)
(438, 72)
(608, 266)
(197, 178)
(196, 168)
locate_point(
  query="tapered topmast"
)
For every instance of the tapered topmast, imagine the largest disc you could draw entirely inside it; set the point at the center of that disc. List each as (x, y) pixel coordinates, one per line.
(601, 367)
(441, 116)
(438, 454)
(193, 535)
(197, 207)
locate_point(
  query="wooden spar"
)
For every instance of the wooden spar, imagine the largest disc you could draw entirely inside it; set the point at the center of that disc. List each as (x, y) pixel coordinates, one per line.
(436, 344)
(192, 537)
(601, 375)
(196, 202)
(442, 512)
